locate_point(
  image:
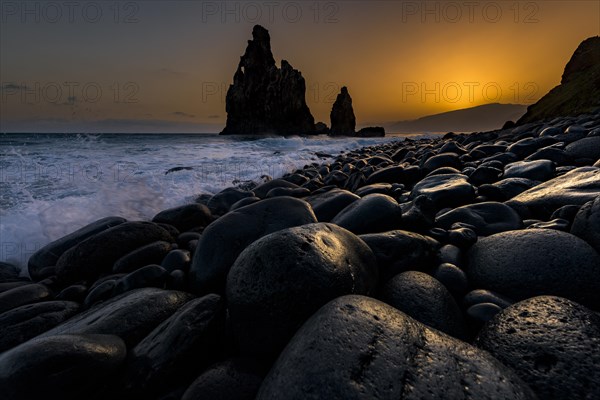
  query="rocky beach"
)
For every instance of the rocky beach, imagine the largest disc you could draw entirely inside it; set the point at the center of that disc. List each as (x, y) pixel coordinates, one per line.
(465, 266)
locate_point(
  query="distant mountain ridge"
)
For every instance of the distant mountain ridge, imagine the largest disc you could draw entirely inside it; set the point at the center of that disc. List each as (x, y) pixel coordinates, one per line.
(480, 118)
(579, 89)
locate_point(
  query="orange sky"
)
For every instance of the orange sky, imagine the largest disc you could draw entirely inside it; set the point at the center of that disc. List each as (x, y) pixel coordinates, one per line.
(171, 62)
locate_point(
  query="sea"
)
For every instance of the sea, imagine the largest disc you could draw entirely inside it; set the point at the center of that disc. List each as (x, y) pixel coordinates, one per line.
(53, 184)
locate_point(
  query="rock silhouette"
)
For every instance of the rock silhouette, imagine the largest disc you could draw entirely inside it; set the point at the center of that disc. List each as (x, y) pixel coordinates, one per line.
(343, 121)
(263, 98)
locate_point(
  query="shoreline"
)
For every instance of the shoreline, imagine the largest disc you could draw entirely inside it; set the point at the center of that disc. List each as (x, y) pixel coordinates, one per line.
(459, 238)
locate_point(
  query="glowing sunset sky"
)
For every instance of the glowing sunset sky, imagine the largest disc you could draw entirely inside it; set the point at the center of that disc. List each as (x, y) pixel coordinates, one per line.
(166, 66)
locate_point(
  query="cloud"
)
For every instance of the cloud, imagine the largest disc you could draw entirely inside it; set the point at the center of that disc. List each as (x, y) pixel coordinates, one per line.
(183, 114)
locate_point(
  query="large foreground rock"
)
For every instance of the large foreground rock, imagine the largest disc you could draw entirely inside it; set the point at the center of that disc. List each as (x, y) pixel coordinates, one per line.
(356, 347)
(533, 262)
(224, 239)
(575, 187)
(97, 254)
(131, 316)
(283, 278)
(60, 367)
(551, 343)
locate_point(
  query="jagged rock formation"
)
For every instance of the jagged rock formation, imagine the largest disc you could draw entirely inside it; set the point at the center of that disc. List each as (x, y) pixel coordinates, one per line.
(264, 99)
(579, 89)
(343, 121)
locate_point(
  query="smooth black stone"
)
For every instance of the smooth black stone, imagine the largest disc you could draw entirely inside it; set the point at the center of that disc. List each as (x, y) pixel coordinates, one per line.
(506, 189)
(232, 379)
(336, 178)
(532, 262)
(551, 343)
(452, 254)
(298, 179)
(244, 202)
(185, 238)
(355, 181)
(450, 190)
(371, 214)
(8, 272)
(453, 278)
(177, 280)
(100, 292)
(224, 239)
(486, 218)
(4, 286)
(540, 170)
(485, 175)
(262, 190)
(586, 148)
(75, 293)
(292, 192)
(442, 160)
(148, 276)
(552, 153)
(425, 299)
(478, 296)
(49, 254)
(176, 349)
(221, 202)
(283, 278)
(22, 295)
(418, 215)
(575, 187)
(327, 205)
(131, 316)
(483, 312)
(558, 224)
(381, 188)
(23, 323)
(393, 174)
(586, 224)
(151, 253)
(489, 149)
(97, 254)
(398, 251)
(443, 171)
(60, 367)
(567, 212)
(356, 347)
(185, 217)
(176, 259)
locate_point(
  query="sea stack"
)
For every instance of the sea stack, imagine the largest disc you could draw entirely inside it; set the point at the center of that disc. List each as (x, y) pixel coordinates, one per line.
(343, 121)
(263, 98)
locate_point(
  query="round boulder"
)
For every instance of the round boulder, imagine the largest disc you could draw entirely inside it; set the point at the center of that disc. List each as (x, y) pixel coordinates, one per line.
(356, 347)
(533, 262)
(283, 278)
(551, 343)
(586, 224)
(372, 213)
(486, 218)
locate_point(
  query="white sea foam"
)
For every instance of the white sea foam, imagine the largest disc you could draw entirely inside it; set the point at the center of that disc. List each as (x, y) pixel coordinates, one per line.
(51, 185)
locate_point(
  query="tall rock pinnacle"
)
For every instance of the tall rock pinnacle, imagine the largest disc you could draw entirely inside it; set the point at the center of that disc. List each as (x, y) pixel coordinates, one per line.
(343, 121)
(264, 99)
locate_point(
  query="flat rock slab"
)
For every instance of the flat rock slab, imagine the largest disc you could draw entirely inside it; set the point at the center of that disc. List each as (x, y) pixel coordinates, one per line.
(552, 343)
(575, 187)
(60, 367)
(224, 239)
(131, 316)
(356, 347)
(534, 262)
